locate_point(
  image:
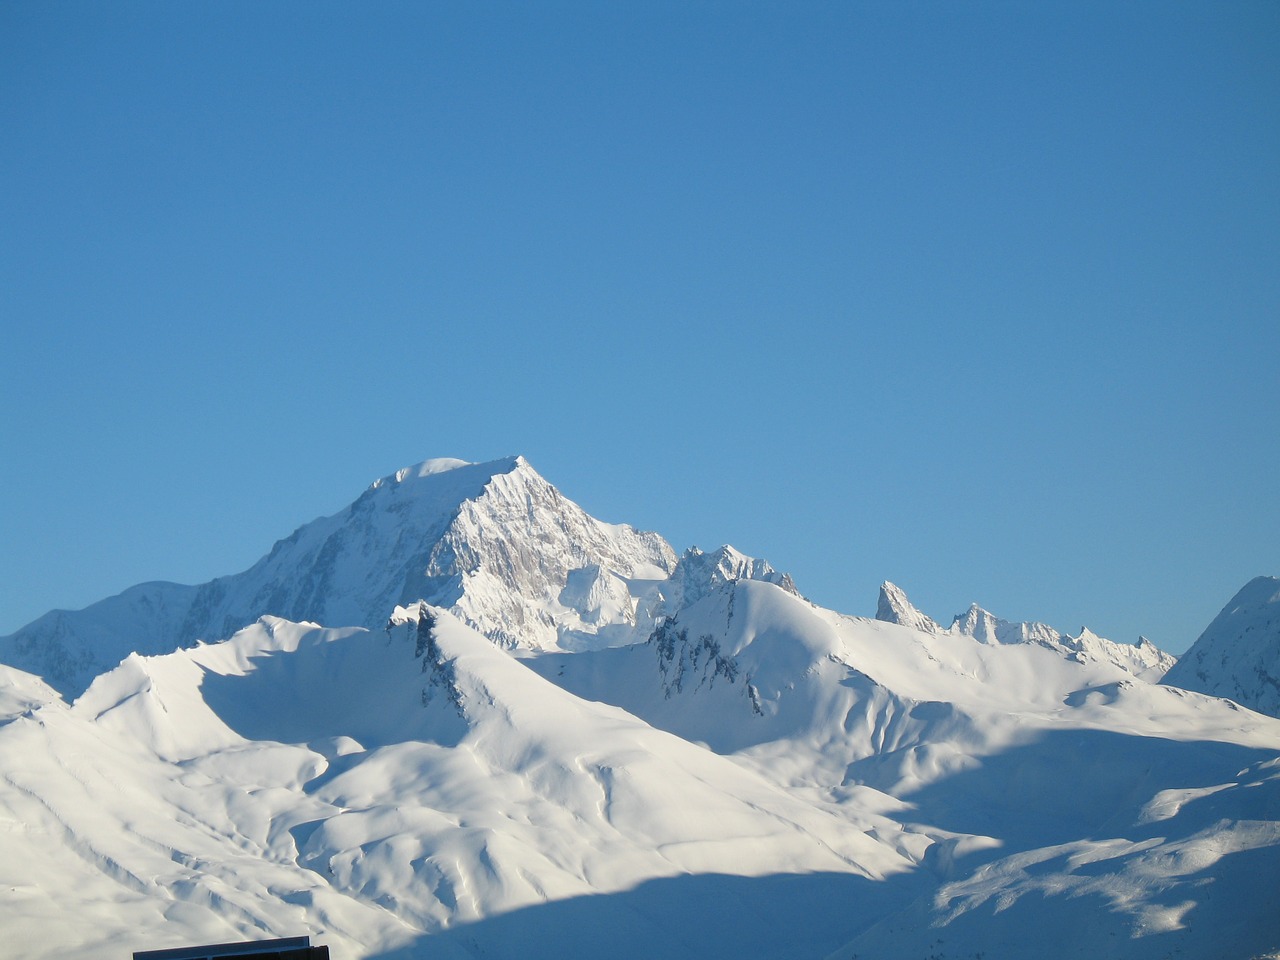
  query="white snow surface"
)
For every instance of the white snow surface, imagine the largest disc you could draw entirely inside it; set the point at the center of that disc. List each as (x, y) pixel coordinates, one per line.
(1143, 659)
(494, 542)
(1238, 655)
(579, 746)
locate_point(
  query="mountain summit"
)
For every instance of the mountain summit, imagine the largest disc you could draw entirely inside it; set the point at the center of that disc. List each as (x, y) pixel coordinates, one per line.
(1238, 655)
(494, 543)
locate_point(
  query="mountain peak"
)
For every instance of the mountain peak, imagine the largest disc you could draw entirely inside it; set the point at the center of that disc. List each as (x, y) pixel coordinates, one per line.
(981, 625)
(1144, 660)
(1238, 655)
(894, 607)
(701, 572)
(441, 465)
(494, 542)
(1260, 591)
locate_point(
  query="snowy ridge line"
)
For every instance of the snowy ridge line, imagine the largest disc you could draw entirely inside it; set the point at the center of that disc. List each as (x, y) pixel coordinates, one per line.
(547, 735)
(1144, 659)
(494, 543)
(418, 820)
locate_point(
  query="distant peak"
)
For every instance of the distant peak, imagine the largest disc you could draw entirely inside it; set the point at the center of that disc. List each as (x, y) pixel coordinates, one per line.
(699, 572)
(1259, 590)
(723, 554)
(1238, 655)
(982, 625)
(726, 564)
(894, 607)
(439, 465)
(974, 615)
(428, 467)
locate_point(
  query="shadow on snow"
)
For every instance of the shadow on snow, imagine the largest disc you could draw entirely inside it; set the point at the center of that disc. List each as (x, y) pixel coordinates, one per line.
(688, 917)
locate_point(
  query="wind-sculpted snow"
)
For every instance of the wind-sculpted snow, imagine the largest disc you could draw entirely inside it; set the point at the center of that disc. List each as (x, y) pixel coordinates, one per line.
(1238, 655)
(21, 692)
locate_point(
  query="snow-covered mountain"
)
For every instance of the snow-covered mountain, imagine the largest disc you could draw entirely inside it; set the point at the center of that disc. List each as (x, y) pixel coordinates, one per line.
(1238, 655)
(492, 542)
(572, 743)
(1143, 659)
(301, 777)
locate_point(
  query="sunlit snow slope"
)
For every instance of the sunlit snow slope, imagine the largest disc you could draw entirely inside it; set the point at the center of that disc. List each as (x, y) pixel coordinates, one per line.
(370, 788)
(492, 541)
(1143, 659)
(526, 733)
(1238, 655)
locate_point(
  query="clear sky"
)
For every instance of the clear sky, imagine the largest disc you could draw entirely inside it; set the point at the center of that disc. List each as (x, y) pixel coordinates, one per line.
(980, 298)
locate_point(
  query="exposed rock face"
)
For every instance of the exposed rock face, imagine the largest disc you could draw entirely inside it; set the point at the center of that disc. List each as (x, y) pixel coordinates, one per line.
(699, 574)
(1238, 655)
(894, 607)
(511, 558)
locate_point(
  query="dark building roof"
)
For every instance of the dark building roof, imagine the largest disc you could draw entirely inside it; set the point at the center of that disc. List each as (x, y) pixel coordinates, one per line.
(288, 948)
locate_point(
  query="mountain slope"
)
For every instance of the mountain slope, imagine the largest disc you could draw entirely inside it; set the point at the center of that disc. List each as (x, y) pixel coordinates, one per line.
(1238, 655)
(295, 776)
(756, 672)
(545, 736)
(418, 792)
(1188, 871)
(493, 541)
(1041, 788)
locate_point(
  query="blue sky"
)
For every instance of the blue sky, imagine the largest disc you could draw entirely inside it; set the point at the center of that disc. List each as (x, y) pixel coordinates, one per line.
(980, 298)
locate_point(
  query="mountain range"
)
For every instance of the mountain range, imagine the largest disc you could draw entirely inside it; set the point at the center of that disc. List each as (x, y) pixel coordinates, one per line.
(462, 718)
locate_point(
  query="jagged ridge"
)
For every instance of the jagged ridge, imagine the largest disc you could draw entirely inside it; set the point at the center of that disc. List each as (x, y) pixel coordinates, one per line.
(494, 543)
(1144, 659)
